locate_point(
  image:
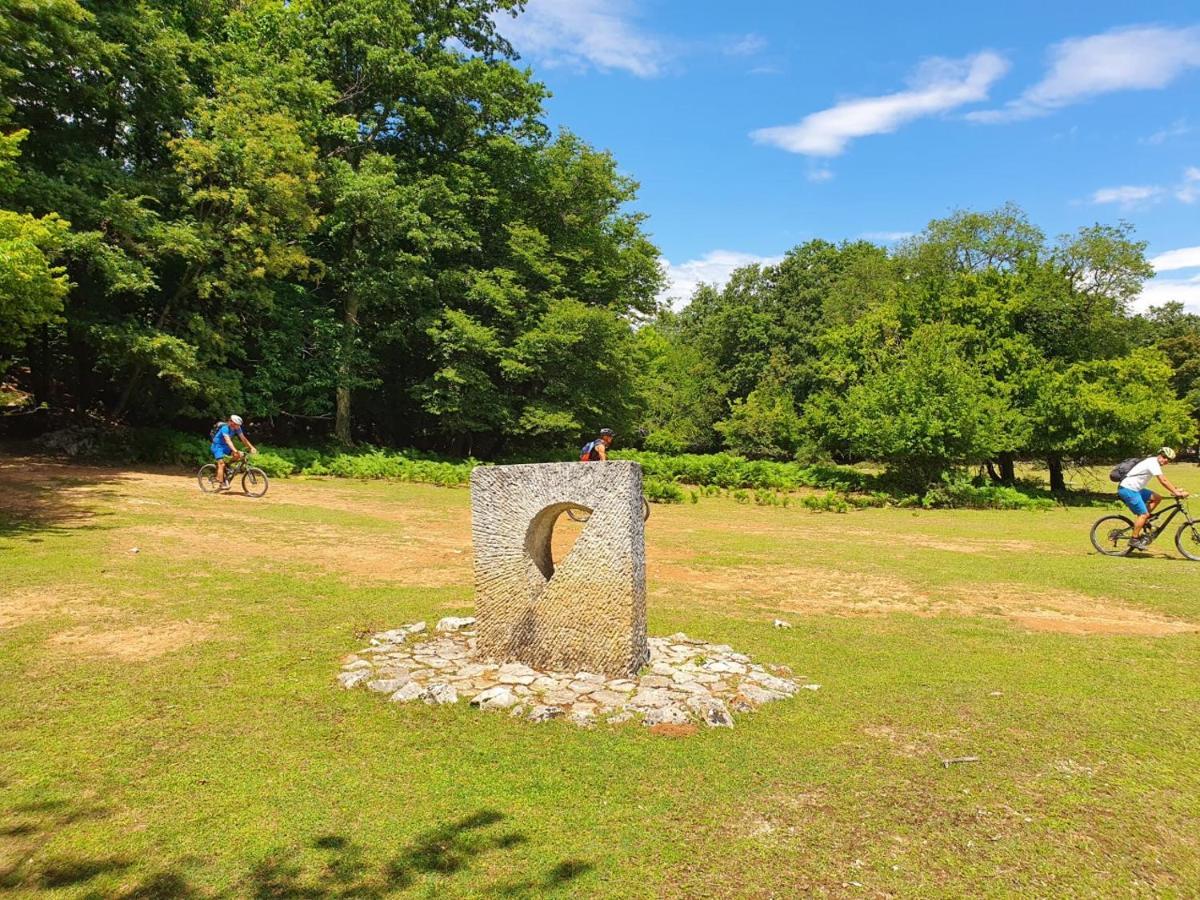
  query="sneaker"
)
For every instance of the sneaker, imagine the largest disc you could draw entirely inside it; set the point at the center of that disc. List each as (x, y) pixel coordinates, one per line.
(1139, 543)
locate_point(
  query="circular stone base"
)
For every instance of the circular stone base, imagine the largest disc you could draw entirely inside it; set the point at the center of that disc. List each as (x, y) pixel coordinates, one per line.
(686, 680)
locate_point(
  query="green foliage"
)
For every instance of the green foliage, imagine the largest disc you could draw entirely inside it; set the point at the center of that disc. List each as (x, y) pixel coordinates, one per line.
(663, 491)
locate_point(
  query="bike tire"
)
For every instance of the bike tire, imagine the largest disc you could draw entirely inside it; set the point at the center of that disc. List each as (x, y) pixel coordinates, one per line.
(207, 478)
(645, 510)
(1111, 535)
(1187, 541)
(255, 482)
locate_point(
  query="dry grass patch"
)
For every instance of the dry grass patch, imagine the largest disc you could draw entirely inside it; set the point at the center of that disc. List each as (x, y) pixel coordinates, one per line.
(138, 643)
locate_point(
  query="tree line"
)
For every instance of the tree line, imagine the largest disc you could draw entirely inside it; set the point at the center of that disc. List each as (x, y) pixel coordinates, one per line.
(350, 219)
(975, 342)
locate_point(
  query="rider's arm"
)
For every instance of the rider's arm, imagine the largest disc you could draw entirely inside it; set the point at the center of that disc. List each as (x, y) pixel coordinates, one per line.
(246, 441)
(1175, 492)
(229, 442)
(602, 451)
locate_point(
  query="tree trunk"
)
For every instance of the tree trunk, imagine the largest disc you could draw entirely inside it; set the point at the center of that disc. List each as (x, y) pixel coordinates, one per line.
(341, 425)
(1008, 468)
(1058, 483)
(992, 473)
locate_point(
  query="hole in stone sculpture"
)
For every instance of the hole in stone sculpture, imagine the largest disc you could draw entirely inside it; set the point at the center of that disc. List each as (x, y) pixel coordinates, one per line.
(566, 533)
(552, 534)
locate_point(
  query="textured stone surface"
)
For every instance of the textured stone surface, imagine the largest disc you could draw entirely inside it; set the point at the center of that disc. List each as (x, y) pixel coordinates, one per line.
(441, 668)
(588, 614)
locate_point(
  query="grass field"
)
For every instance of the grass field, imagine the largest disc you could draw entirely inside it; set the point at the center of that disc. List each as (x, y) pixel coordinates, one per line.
(170, 725)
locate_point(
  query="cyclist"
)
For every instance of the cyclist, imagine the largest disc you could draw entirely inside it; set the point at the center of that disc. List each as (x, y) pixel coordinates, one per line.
(223, 446)
(597, 450)
(1140, 499)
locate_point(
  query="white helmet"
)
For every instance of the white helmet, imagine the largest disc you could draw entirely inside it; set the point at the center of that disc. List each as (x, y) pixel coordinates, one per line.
(236, 420)
(1166, 453)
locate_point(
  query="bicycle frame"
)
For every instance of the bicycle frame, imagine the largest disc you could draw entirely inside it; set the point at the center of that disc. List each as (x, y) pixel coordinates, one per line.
(1173, 510)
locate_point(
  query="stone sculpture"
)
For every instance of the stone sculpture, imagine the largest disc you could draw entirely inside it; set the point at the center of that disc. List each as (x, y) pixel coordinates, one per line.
(588, 613)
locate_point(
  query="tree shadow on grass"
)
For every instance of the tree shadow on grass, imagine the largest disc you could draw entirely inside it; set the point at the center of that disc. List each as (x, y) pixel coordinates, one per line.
(27, 826)
(448, 850)
(39, 498)
(341, 868)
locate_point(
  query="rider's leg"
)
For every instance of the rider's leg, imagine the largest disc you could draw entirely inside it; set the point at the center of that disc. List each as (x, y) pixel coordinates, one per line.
(221, 470)
(1138, 524)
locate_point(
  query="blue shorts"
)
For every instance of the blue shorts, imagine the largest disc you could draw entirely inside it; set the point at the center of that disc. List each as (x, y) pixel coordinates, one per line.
(220, 452)
(1136, 500)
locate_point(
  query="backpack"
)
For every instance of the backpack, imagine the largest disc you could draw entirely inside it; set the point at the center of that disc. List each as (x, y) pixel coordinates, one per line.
(212, 434)
(585, 452)
(1123, 468)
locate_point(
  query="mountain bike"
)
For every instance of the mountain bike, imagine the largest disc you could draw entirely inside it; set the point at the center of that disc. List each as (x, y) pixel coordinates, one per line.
(579, 514)
(1111, 534)
(254, 479)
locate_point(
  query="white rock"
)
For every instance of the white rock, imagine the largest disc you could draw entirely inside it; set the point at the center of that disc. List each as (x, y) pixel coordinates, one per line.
(620, 718)
(455, 623)
(387, 685)
(649, 698)
(584, 687)
(712, 712)
(590, 677)
(545, 713)
(751, 695)
(608, 698)
(721, 665)
(666, 715)
(498, 697)
(353, 679)
(440, 693)
(411, 691)
(811, 687)
(474, 670)
(357, 665)
(771, 683)
(779, 623)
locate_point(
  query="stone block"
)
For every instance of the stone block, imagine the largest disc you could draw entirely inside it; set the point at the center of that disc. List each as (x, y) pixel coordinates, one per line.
(588, 613)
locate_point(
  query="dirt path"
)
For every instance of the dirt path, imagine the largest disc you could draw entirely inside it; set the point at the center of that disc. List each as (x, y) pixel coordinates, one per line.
(355, 532)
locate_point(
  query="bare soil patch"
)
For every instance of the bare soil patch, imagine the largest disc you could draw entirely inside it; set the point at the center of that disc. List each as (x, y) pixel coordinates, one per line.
(19, 607)
(817, 591)
(133, 644)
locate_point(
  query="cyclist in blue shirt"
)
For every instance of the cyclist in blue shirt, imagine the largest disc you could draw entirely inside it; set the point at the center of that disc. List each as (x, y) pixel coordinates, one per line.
(597, 450)
(223, 447)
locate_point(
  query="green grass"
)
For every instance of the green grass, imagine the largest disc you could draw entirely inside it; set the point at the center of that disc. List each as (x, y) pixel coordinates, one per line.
(233, 766)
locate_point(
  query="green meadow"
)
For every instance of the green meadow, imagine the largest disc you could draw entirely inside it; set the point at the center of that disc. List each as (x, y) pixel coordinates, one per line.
(170, 724)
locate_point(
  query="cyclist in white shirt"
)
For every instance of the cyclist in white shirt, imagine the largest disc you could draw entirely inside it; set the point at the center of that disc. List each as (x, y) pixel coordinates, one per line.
(1139, 498)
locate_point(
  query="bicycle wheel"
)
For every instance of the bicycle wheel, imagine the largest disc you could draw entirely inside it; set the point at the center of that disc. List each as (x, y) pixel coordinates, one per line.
(254, 482)
(1111, 536)
(579, 514)
(645, 510)
(207, 477)
(1187, 540)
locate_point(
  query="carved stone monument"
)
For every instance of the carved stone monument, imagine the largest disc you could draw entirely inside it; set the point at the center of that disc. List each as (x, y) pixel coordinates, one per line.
(588, 613)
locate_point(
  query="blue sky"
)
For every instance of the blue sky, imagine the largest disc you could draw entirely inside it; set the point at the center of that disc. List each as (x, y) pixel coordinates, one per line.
(753, 127)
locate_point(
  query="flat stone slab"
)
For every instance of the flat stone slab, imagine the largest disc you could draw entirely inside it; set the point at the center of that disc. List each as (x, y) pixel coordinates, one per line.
(686, 681)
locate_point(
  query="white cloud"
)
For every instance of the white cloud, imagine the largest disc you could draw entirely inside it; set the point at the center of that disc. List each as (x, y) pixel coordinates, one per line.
(1125, 59)
(1169, 290)
(1127, 194)
(1172, 260)
(939, 85)
(821, 174)
(586, 33)
(1178, 128)
(746, 45)
(1189, 190)
(713, 268)
(1186, 191)
(885, 237)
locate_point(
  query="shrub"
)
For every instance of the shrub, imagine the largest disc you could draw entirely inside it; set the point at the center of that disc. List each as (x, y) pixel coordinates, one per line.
(663, 491)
